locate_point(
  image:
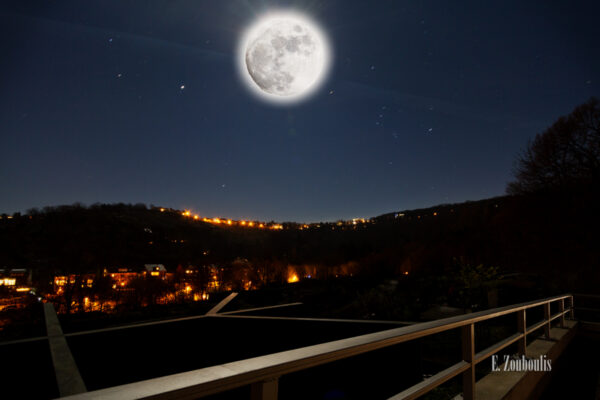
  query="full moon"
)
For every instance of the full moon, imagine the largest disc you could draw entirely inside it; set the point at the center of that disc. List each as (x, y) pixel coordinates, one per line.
(283, 57)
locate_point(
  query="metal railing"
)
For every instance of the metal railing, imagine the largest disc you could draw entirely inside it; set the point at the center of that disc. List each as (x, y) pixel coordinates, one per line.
(263, 372)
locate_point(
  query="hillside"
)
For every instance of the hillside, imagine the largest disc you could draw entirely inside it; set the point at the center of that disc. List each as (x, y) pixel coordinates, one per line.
(549, 235)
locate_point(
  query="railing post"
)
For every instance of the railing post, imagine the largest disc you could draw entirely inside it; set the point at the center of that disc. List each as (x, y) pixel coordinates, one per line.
(561, 309)
(572, 308)
(522, 328)
(547, 319)
(264, 390)
(468, 355)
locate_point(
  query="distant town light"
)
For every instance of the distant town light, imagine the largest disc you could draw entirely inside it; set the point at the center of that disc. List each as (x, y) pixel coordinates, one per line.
(8, 281)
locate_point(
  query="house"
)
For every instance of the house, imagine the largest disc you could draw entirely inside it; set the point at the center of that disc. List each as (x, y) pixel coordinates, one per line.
(155, 270)
(122, 277)
(62, 282)
(15, 277)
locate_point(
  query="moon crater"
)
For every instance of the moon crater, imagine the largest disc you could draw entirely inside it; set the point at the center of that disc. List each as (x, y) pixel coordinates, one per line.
(283, 57)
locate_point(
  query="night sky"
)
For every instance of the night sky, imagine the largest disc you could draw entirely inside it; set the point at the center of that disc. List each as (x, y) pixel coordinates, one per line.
(141, 101)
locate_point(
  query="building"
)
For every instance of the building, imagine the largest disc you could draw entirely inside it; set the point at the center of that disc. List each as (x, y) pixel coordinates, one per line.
(63, 282)
(15, 277)
(122, 277)
(155, 271)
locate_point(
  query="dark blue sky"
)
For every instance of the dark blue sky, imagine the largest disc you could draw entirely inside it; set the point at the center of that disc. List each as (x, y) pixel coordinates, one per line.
(431, 102)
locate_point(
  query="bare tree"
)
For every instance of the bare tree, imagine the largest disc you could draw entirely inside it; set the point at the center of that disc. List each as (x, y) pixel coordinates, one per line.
(566, 155)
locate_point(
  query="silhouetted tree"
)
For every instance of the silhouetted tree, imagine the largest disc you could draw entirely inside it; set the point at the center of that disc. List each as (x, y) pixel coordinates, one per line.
(474, 282)
(566, 155)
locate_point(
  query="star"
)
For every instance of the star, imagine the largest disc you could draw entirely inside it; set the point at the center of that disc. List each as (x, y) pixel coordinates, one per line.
(181, 87)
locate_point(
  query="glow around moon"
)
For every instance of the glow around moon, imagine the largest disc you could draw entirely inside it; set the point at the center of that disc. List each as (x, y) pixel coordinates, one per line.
(283, 57)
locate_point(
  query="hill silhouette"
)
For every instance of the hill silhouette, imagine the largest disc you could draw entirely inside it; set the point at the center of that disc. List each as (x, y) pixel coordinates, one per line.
(555, 236)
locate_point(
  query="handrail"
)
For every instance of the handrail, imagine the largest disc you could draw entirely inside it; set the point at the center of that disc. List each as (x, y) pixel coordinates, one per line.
(263, 372)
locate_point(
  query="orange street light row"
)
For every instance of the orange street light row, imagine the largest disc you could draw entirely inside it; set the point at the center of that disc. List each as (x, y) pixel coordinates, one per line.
(251, 224)
(230, 222)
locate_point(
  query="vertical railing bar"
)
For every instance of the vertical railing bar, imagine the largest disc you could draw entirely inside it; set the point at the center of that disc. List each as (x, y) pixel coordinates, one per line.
(561, 309)
(468, 354)
(572, 307)
(264, 390)
(522, 328)
(547, 319)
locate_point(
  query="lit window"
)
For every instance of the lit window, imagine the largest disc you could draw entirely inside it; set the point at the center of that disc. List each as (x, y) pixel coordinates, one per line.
(8, 282)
